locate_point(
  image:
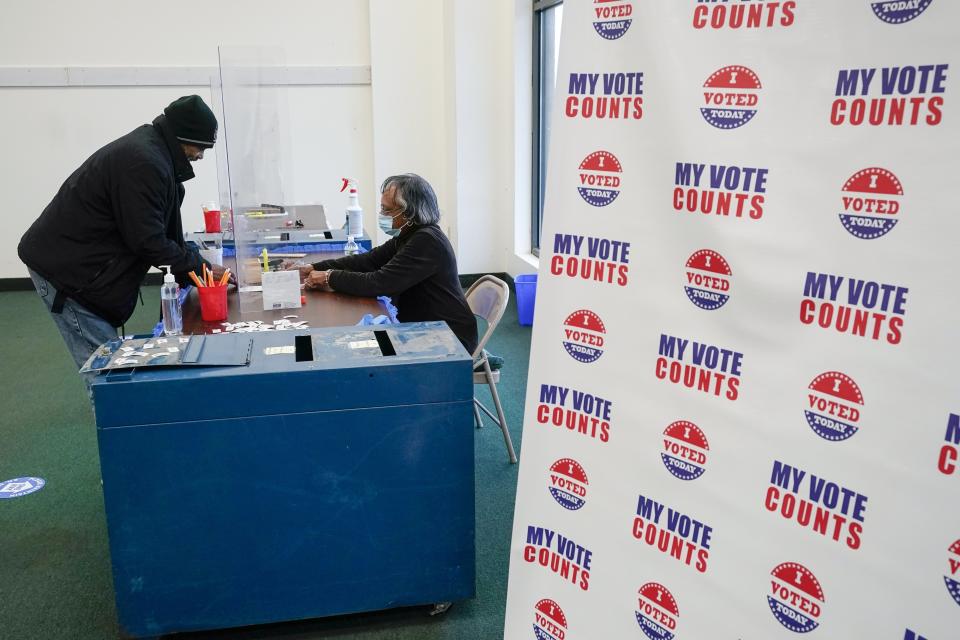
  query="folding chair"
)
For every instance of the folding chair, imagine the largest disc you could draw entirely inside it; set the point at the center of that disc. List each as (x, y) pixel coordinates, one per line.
(488, 299)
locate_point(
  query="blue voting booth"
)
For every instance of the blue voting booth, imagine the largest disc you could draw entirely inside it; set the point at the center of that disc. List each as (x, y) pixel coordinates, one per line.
(287, 475)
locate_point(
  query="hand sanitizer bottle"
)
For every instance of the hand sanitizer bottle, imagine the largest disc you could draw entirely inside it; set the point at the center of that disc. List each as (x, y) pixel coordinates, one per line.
(351, 248)
(170, 305)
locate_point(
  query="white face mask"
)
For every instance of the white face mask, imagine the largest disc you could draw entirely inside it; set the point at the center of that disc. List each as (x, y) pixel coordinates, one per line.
(386, 225)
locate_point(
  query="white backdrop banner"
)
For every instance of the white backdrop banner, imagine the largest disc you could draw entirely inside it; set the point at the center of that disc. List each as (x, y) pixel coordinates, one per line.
(742, 411)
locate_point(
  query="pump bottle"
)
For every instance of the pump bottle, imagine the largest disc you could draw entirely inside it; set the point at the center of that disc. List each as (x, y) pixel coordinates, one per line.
(351, 248)
(170, 305)
(354, 212)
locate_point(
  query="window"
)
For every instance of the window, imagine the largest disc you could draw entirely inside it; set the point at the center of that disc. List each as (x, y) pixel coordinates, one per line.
(547, 18)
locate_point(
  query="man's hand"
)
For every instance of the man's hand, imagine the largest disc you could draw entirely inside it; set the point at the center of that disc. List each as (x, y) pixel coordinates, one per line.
(218, 270)
(319, 280)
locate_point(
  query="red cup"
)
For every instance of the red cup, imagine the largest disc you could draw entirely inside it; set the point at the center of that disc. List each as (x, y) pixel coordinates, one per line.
(213, 303)
(211, 219)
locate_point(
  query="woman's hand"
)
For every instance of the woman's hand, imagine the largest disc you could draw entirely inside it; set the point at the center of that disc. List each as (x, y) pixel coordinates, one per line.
(319, 280)
(305, 269)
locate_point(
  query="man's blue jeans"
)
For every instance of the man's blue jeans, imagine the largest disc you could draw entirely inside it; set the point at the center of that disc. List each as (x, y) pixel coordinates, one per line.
(82, 330)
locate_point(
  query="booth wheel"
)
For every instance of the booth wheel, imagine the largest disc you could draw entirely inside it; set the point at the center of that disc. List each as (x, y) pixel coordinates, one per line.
(440, 607)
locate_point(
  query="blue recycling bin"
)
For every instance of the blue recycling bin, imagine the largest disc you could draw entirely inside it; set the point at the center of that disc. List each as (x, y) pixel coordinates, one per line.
(526, 286)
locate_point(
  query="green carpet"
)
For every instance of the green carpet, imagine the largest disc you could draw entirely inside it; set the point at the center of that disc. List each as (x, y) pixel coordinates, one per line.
(55, 577)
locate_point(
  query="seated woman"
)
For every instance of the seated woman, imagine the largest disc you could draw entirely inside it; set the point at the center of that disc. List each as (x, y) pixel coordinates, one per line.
(416, 267)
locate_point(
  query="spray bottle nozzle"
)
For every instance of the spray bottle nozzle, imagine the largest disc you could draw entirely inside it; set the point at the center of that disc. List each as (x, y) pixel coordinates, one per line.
(349, 182)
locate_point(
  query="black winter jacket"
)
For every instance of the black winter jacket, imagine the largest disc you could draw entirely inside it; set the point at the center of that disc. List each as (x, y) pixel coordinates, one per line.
(419, 271)
(114, 218)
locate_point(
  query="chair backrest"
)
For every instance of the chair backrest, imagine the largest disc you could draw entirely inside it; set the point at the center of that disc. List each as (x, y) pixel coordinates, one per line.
(488, 299)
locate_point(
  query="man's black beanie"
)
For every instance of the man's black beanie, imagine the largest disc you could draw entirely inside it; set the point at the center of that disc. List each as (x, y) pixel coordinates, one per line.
(192, 121)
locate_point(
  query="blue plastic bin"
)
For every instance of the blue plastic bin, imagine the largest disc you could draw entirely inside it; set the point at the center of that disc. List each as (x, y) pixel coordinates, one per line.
(526, 286)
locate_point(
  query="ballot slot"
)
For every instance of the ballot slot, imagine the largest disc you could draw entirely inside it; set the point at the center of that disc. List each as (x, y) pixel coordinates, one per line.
(303, 346)
(385, 344)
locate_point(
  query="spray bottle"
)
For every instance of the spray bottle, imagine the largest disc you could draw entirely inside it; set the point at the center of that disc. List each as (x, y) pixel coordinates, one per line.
(170, 305)
(354, 212)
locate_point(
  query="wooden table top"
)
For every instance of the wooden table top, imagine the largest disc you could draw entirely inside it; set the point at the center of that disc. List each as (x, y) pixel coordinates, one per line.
(323, 309)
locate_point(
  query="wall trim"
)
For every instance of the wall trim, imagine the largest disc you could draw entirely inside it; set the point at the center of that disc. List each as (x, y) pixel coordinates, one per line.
(290, 75)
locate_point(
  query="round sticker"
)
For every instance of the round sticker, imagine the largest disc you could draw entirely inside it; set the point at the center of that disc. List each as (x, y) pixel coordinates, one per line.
(953, 571)
(833, 406)
(685, 450)
(730, 97)
(550, 621)
(612, 18)
(899, 11)
(568, 483)
(707, 277)
(583, 336)
(599, 178)
(797, 598)
(657, 612)
(871, 203)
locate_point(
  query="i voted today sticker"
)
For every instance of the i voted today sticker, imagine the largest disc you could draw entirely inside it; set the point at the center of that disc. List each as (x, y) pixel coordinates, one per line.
(19, 487)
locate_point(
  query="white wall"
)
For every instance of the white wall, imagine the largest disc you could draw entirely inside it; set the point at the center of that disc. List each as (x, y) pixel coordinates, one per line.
(484, 131)
(409, 94)
(48, 132)
(452, 87)
(447, 77)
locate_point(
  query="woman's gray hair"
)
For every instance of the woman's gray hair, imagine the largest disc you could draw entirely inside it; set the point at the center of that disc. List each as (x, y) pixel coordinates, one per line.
(415, 197)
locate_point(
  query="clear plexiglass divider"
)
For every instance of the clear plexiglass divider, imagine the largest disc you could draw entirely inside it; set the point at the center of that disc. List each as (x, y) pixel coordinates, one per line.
(250, 101)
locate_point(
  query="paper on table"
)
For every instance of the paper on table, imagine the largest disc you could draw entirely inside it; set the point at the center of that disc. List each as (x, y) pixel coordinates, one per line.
(281, 290)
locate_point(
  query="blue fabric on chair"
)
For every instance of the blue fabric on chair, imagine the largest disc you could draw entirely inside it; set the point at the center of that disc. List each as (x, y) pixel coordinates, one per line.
(495, 362)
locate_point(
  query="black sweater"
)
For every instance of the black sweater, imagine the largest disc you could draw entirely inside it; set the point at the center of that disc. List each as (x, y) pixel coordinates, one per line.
(419, 271)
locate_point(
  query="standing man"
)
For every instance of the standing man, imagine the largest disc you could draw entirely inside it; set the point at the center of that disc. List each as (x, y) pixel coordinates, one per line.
(114, 218)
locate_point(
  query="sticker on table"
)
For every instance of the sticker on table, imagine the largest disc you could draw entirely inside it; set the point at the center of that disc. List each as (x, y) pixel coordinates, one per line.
(364, 344)
(273, 351)
(19, 487)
